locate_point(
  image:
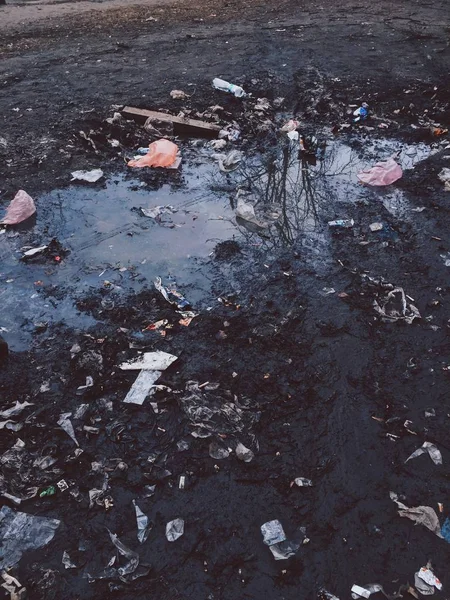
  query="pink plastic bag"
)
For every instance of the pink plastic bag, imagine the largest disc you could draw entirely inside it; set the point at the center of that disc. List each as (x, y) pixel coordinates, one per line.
(383, 173)
(20, 209)
(161, 153)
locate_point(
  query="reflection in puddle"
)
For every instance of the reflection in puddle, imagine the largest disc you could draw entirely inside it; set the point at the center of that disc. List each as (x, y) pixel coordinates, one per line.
(293, 192)
(110, 239)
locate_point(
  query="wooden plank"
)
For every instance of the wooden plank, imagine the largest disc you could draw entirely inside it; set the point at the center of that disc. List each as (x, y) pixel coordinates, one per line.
(180, 126)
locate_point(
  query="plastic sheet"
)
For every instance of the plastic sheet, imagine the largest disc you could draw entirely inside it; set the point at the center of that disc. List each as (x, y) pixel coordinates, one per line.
(161, 153)
(20, 532)
(22, 207)
(174, 529)
(383, 173)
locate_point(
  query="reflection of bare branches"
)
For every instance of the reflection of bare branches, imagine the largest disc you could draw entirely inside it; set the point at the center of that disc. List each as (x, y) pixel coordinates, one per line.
(289, 192)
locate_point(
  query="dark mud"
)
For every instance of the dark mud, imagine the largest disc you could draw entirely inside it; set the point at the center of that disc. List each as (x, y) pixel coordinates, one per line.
(330, 391)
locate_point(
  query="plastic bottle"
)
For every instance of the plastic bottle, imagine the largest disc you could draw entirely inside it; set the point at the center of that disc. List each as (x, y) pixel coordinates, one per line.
(361, 112)
(345, 223)
(224, 86)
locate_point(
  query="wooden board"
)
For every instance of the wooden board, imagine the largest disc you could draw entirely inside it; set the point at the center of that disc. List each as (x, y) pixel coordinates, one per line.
(180, 126)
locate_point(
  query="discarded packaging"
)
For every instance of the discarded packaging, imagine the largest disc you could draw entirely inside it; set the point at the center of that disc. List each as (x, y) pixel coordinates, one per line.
(228, 162)
(246, 213)
(142, 386)
(15, 410)
(445, 529)
(360, 591)
(20, 532)
(433, 452)
(65, 423)
(427, 575)
(421, 515)
(34, 251)
(231, 133)
(444, 176)
(142, 524)
(262, 104)
(174, 529)
(218, 451)
(162, 153)
(12, 585)
(244, 453)
(290, 126)
(210, 413)
(284, 550)
(22, 207)
(88, 176)
(179, 95)
(273, 532)
(150, 361)
(361, 113)
(325, 595)
(303, 482)
(50, 491)
(395, 307)
(133, 557)
(68, 564)
(172, 295)
(151, 365)
(157, 211)
(224, 86)
(369, 588)
(344, 223)
(383, 173)
(218, 144)
(275, 538)
(376, 226)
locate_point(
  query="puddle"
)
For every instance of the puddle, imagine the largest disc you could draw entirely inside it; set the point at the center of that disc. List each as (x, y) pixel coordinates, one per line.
(110, 239)
(296, 197)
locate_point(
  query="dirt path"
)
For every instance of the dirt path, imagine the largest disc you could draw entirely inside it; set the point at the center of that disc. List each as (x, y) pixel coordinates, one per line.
(17, 16)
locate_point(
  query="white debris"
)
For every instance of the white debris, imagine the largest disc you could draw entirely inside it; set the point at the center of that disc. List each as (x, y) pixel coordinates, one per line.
(303, 482)
(273, 532)
(34, 251)
(150, 361)
(376, 226)
(88, 176)
(433, 452)
(174, 529)
(244, 453)
(360, 591)
(142, 386)
(444, 176)
(179, 95)
(65, 423)
(427, 575)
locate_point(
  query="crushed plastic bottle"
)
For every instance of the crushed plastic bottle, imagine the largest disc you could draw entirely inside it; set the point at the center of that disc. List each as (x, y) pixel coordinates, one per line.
(345, 223)
(225, 86)
(361, 113)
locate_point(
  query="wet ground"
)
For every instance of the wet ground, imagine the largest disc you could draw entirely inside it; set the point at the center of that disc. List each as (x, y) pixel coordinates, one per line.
(291, 352)
(109, 239)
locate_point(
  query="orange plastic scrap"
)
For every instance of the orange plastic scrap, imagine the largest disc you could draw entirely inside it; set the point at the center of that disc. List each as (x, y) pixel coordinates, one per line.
(161, 153)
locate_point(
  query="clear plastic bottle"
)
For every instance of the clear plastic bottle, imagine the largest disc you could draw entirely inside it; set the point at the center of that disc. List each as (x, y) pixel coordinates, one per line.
(345, 223)
(225, 86)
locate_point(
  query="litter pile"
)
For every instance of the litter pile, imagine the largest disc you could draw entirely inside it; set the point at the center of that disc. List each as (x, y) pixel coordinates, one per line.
(132, 420)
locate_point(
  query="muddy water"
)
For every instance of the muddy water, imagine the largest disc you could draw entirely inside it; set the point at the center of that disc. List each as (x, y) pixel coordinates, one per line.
(111, 242)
